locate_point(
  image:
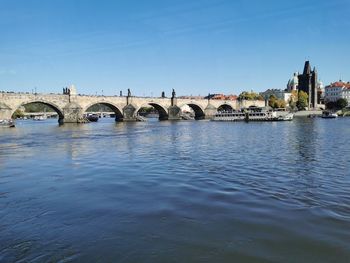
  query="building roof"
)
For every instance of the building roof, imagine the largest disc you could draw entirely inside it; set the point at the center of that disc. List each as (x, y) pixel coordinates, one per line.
(222, 97)
(340, 84)
(307, 68)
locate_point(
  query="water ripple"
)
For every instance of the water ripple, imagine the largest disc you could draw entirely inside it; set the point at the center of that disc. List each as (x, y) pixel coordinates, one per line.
(175, 191)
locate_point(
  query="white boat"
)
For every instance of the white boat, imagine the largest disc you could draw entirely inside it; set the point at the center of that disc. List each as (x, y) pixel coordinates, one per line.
(253, 116)
(40, 118)
(287, 117)
(329, 115)
(7, 123)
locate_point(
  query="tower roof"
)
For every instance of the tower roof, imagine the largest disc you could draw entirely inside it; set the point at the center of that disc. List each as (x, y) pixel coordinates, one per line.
(307, 68)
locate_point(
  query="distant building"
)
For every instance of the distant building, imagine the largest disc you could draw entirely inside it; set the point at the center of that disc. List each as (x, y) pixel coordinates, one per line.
(221, 97)
(337, 90)
(278, 93)
(308, 82)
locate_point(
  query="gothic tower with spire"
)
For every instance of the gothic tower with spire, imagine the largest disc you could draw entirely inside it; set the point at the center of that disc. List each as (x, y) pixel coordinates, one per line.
(308, 82)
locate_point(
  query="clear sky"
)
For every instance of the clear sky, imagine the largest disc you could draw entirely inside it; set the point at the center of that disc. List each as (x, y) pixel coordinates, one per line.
(195, 47)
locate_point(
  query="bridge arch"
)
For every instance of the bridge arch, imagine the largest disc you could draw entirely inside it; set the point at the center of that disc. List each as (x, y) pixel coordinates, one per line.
(162, 111)
(112, 106)
(198, 110)
(225, 107)
(52, 105)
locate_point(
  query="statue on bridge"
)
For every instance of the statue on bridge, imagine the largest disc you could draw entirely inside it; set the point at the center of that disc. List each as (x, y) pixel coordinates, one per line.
(129, 93)
(173, 94)
(71, 90)
(65, 91)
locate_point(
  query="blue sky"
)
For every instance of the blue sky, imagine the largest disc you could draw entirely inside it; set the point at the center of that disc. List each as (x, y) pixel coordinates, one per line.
(195, 47)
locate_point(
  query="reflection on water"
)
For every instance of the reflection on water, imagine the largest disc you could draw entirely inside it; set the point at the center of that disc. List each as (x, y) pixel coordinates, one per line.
(175, 192)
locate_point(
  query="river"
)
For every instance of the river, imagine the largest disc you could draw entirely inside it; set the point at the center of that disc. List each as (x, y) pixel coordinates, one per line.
(187, 191)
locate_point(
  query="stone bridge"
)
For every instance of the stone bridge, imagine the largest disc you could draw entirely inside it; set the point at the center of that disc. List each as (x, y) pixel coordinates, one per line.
(71, 106)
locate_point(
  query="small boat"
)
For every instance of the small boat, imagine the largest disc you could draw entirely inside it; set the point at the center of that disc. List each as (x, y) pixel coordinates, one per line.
(40, 118)
(92, 117)
(7, 123)
(287, 117)
(329, 115)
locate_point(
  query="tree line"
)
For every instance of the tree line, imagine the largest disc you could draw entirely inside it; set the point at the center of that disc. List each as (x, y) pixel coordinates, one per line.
(337, 105)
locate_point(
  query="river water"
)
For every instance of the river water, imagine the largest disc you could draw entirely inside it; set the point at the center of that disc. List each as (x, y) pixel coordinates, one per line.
(188, 191)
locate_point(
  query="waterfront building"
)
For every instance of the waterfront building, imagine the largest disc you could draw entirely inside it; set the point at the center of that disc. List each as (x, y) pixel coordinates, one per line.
(308, 82)
(278, 93)
(337, 90)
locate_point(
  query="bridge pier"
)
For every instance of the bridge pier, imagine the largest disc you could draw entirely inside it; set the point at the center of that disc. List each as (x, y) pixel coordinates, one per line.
(5, 112)
(129, 113)
(209, 111)
(174, 113)
(73, 113)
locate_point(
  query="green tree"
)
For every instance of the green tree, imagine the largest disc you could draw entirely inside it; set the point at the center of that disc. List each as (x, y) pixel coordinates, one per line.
(147, 110)
(330, 105)
(278, 103)
(302, 102)
(245, 95)
(37, 107)
(292, 105)
(99, 107)
(341, 103)
(272, 101)
(18, 114)
(293, 100)
(281, 103)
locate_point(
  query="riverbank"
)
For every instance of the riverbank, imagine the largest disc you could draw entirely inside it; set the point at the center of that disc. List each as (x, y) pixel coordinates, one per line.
(306, 113)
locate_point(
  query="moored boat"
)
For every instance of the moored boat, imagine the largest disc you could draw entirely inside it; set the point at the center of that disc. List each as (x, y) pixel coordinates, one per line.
(40, 118)
(92, 117)
(253, 116)
(7, 123)
(329, 115)
(287, 117)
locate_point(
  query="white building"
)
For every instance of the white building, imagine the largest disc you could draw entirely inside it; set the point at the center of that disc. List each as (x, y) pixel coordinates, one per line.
(280, 94)
(337, 90)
